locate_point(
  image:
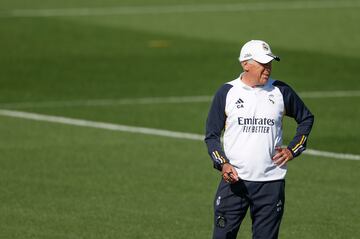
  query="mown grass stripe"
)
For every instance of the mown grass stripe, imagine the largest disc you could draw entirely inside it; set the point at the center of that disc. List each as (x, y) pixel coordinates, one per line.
(143, 130)
(190, 8)
(156, 100)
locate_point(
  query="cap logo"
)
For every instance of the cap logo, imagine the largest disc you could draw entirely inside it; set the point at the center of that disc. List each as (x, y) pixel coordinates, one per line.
(265, 47)
(247, 55)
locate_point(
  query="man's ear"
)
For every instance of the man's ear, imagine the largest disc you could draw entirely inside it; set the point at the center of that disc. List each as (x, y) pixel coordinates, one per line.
(245, 66)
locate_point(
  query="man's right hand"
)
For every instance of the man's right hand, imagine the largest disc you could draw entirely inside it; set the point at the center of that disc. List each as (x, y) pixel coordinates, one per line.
(229, 173)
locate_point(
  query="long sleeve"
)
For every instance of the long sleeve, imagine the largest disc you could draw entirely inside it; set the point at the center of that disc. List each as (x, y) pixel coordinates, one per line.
(296, 109)
(215, 124)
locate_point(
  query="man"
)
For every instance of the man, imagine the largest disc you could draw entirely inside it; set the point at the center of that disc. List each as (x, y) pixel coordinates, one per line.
(249, 112)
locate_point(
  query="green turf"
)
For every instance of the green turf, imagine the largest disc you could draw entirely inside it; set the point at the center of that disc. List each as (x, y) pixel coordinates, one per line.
(48, 4)
(71, 182)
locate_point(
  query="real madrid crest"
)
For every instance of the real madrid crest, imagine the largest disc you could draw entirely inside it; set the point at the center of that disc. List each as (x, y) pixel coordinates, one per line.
(265, 47)
(271, 98)
(221, 221)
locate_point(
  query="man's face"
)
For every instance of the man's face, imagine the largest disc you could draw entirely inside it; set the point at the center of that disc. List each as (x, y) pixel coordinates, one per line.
(259, 72)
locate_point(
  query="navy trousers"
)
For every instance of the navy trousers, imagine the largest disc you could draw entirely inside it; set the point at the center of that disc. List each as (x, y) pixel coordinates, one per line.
(265, 200)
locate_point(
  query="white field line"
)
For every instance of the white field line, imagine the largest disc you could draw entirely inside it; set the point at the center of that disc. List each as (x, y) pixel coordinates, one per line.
(157, 100)
(99, 125)
(142, 130)
(190, 8)
(330, 94)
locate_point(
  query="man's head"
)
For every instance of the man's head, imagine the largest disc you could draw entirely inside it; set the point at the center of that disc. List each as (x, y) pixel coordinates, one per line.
(256, 58)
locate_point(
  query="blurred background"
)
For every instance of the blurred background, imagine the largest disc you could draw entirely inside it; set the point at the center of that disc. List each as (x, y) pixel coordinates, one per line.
(156, 64)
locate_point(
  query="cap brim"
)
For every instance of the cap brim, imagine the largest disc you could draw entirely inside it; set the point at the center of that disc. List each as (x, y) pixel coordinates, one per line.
(276, 58)
(264, 59)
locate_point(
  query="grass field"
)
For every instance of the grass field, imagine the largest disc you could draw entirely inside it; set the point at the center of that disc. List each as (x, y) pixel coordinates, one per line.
(64, 181)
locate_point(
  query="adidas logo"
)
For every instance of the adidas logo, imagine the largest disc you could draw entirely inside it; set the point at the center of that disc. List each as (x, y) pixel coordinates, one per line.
(239, 103)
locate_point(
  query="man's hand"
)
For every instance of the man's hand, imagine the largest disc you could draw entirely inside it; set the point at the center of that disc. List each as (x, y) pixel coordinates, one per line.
(229, 173)
(282, 156)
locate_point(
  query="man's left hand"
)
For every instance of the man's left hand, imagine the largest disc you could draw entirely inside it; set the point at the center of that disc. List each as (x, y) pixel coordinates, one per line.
(282, 156)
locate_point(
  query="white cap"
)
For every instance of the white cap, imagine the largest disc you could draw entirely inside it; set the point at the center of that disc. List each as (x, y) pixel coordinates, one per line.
(257, 50)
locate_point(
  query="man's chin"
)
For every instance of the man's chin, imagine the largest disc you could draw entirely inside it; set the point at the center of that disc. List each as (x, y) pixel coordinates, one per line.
(264, 80)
